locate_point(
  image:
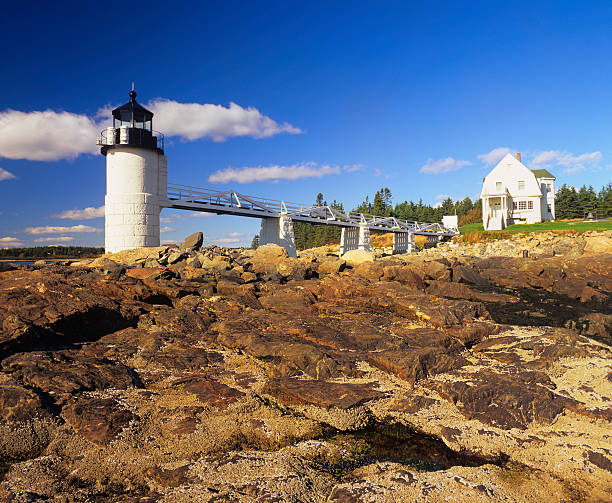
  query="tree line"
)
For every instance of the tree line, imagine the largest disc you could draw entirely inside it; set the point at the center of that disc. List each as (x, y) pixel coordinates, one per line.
(572, 203)
(314, 235)
(43, 252)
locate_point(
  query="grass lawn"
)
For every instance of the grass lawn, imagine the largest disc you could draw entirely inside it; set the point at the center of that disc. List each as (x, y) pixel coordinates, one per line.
(559, 225)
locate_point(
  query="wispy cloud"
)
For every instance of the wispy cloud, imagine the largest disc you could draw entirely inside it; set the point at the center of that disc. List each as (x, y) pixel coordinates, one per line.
(5, 175)
(192, 121)
(274, 173)
(436, 167)
(54, 239)
(442, 197)
(49, 229)
(352, 168)
(495, 155)
(173, 217)
(166, 229)
(571, 162)
(9, 241)
(84, 214)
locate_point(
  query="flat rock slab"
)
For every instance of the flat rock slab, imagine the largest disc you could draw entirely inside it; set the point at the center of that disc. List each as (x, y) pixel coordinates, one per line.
(505, 400)
(99, 420)
(321, 393)
(210, 392)
(20, 404)
(63, 373)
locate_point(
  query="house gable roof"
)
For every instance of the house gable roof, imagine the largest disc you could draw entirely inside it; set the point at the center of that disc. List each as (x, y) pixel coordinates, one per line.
(509, 171)
(542, 173)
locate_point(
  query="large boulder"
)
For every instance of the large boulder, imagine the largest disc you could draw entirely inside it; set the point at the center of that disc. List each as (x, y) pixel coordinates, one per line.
(355, 257)
(598, 244)
(193, 242)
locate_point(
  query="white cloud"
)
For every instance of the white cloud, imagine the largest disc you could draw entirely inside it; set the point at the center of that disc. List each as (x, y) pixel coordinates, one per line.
(572, 163)
(442, 197)
(262, 173)
(195, 120)
(173, 217)
(432, 167)
(495, 155)
(166, 229)
(351, 168)
(50, 135)
(54, 239)
(236, 235)
(49, 229)
(5, 175)
(226, 240)
(47, 135)
(9, 241)
(84, 214)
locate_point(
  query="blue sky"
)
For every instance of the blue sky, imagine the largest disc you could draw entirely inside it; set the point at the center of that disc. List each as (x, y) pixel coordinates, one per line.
(337, 97)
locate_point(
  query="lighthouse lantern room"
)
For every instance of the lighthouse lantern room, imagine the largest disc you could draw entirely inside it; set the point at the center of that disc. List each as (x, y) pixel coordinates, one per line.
(136, 178)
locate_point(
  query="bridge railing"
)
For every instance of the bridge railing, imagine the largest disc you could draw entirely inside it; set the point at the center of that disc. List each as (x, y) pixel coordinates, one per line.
(256, 206)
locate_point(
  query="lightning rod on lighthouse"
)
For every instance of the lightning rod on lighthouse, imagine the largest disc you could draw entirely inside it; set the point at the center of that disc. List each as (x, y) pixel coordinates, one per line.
(136, 178)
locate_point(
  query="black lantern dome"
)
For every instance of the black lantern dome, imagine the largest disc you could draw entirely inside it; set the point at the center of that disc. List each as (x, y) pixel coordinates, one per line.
(133, 114)
(132, 126)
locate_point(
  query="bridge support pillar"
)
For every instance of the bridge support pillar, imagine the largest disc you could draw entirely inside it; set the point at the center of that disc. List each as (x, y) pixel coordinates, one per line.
(364, 238)
(349, 239)
(355, 238)
(433, 240)
(403, 242)
(278, 231)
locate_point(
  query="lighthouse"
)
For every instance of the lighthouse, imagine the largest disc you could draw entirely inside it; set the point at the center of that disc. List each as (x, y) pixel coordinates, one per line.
(136, 178)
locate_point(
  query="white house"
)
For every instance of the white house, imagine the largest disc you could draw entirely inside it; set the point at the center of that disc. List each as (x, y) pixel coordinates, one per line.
(513, 194)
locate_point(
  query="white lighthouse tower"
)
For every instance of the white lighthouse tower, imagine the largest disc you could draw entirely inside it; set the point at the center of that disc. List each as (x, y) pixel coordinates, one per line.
(136, 178)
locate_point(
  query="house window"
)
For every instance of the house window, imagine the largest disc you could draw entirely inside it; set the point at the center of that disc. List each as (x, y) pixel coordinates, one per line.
(521, 185)
(522, 205)
(549, 209)
(498, 186)
(513, 205)
(530, 205)
(548, 187)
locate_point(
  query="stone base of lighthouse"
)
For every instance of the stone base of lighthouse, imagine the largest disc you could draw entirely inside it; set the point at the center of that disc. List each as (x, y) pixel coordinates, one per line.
(136, 191)
(132, 221)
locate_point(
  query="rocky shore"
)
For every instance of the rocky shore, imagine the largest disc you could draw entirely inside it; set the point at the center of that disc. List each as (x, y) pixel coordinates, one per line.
(465, 373)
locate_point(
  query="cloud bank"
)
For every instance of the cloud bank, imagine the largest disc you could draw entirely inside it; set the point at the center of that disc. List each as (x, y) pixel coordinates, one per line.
(46, 136)
(9, 241)
(49, 229)
(54, 239)
(51, 135)
(84, 214)
(192, 121)
(274, 173)
(436, 167)
(495, 155)
(572, 163)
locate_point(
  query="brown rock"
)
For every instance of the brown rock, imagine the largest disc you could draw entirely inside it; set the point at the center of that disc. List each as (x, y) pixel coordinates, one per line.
(320, 393)
(99, 420)
(209, 391)
(63, 373)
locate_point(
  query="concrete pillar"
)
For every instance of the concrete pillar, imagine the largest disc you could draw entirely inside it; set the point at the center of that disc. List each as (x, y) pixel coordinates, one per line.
(403, 242)
(364, 238)
(278, 231)
(349, 239)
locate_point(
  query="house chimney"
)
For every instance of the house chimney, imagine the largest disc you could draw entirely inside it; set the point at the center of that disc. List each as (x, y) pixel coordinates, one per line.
(518, 156)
